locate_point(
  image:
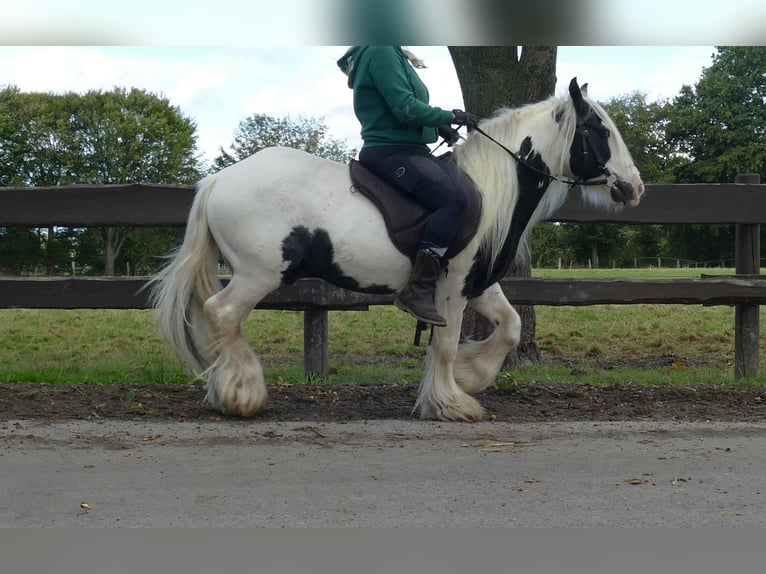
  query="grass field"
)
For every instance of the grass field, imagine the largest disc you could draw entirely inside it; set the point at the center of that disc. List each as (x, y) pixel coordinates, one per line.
(648, 344)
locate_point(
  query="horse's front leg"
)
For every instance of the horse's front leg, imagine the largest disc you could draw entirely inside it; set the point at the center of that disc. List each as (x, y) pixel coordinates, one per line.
(478, 362)
(439, 396)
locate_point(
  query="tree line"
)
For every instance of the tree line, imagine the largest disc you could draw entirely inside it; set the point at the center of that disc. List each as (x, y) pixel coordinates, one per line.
(114, 137)
(708, 133)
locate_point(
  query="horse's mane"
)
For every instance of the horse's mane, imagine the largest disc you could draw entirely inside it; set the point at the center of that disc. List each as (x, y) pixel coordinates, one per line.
(492, 168)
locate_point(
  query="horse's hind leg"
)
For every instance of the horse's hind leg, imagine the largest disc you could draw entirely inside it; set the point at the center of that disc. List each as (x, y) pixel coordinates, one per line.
(235, 383)
(478, 362)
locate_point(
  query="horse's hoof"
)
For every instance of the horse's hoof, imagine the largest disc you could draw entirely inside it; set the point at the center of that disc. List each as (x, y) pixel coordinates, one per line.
(464, 409)
(238, 402)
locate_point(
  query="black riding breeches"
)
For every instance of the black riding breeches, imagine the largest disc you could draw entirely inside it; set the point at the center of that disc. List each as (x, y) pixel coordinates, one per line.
(417, 173)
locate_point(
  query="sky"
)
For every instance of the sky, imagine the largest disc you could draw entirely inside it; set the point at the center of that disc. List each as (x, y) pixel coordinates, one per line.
(217, 87)
(221, 62)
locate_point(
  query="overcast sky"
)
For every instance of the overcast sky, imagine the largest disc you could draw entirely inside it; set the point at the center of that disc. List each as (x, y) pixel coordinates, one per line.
(223, 61)
(220, 86)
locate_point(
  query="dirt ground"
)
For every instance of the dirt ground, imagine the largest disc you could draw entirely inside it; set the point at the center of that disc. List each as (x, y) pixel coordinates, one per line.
(533, 402)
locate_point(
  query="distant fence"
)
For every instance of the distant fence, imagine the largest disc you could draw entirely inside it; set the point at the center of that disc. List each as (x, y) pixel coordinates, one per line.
(646, 263)
(148, 205)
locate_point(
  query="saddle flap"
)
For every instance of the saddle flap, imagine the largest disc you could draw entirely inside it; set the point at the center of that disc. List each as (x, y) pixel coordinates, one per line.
(405, 218)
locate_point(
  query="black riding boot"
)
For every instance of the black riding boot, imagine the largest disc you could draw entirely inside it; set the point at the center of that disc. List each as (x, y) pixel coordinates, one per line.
(417, 298)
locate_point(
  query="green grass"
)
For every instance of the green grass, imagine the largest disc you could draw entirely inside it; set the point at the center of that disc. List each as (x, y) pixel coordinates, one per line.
(606, 344)
(83, 346)
(106, 346)
(636, 344)
(639, 273)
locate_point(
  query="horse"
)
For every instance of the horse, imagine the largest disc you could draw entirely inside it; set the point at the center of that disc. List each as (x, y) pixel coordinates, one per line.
(282, 213)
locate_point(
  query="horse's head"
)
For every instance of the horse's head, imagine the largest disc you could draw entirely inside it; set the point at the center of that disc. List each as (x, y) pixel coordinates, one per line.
(598, 156)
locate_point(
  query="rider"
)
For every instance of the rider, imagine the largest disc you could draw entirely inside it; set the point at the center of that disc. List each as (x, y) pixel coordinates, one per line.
(391, 104)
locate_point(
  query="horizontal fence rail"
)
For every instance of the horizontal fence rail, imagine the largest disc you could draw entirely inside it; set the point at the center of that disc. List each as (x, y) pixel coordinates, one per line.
(131, 205)
(153, 205)
(128, 205)
(310, 294)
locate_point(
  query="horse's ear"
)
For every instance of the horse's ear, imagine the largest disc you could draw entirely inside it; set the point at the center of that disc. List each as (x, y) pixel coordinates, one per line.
(574, 89)
(581, 107)
(584, 89)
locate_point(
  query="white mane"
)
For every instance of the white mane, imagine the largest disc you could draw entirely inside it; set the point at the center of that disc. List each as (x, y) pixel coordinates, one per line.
(494, 170)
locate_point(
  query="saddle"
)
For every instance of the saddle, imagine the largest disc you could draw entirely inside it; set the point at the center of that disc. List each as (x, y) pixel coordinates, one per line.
(405, 218)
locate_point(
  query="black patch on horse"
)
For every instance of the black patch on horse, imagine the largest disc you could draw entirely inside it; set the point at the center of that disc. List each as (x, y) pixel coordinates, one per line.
(590, 149)
(311, 255)
(532, 187)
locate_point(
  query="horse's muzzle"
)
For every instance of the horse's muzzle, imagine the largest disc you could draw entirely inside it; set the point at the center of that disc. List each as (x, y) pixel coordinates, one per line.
(622, 192)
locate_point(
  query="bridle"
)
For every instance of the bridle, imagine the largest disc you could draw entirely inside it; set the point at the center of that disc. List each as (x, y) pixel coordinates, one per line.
(620, 190)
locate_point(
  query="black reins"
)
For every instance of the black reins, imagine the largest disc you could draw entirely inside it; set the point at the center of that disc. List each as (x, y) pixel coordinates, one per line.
(569, 182)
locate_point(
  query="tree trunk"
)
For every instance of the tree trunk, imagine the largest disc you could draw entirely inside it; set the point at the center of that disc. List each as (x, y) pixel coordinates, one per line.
(491, 78)
(109, 255)
(114, 238)
(50, 268)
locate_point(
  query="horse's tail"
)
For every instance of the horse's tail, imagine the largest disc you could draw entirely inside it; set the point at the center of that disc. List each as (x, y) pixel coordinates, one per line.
(179, 291)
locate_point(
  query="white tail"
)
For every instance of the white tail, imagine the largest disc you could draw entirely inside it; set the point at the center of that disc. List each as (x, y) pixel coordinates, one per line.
(179, 291)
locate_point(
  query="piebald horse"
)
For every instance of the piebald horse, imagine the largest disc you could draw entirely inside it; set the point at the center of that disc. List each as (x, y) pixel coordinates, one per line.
(282, 214)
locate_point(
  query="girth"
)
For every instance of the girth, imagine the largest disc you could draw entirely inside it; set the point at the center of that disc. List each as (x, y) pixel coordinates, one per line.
(405, 218)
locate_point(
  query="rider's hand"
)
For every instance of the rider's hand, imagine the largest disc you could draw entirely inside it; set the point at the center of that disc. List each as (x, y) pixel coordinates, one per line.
(466, 119)
(449, 134)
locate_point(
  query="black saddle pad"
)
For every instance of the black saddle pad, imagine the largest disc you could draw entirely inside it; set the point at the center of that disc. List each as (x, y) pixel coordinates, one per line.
(405, 218)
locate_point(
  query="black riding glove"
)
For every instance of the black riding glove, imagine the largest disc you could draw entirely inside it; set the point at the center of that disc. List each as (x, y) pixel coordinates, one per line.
(449, 134)
(466, 119)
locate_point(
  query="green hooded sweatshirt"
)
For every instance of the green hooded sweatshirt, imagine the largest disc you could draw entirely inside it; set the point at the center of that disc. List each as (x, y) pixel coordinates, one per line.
(390, 99)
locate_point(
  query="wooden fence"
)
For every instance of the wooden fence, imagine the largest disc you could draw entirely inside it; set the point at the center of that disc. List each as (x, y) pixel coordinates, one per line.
(147, 205)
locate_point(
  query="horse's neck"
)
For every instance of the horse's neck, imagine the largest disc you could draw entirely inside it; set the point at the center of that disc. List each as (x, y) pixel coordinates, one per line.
(497, 174)
(538, 125)
(489, 164)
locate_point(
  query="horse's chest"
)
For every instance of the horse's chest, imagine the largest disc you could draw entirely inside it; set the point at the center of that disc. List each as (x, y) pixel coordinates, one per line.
(533, 180)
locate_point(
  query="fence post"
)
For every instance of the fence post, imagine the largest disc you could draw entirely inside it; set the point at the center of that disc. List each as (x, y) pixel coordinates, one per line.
(315, 342)
(747, 317)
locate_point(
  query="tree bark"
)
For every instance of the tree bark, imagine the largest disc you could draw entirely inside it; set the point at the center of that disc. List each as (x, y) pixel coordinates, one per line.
(491, 78)
(50, 267)
(114, 238)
